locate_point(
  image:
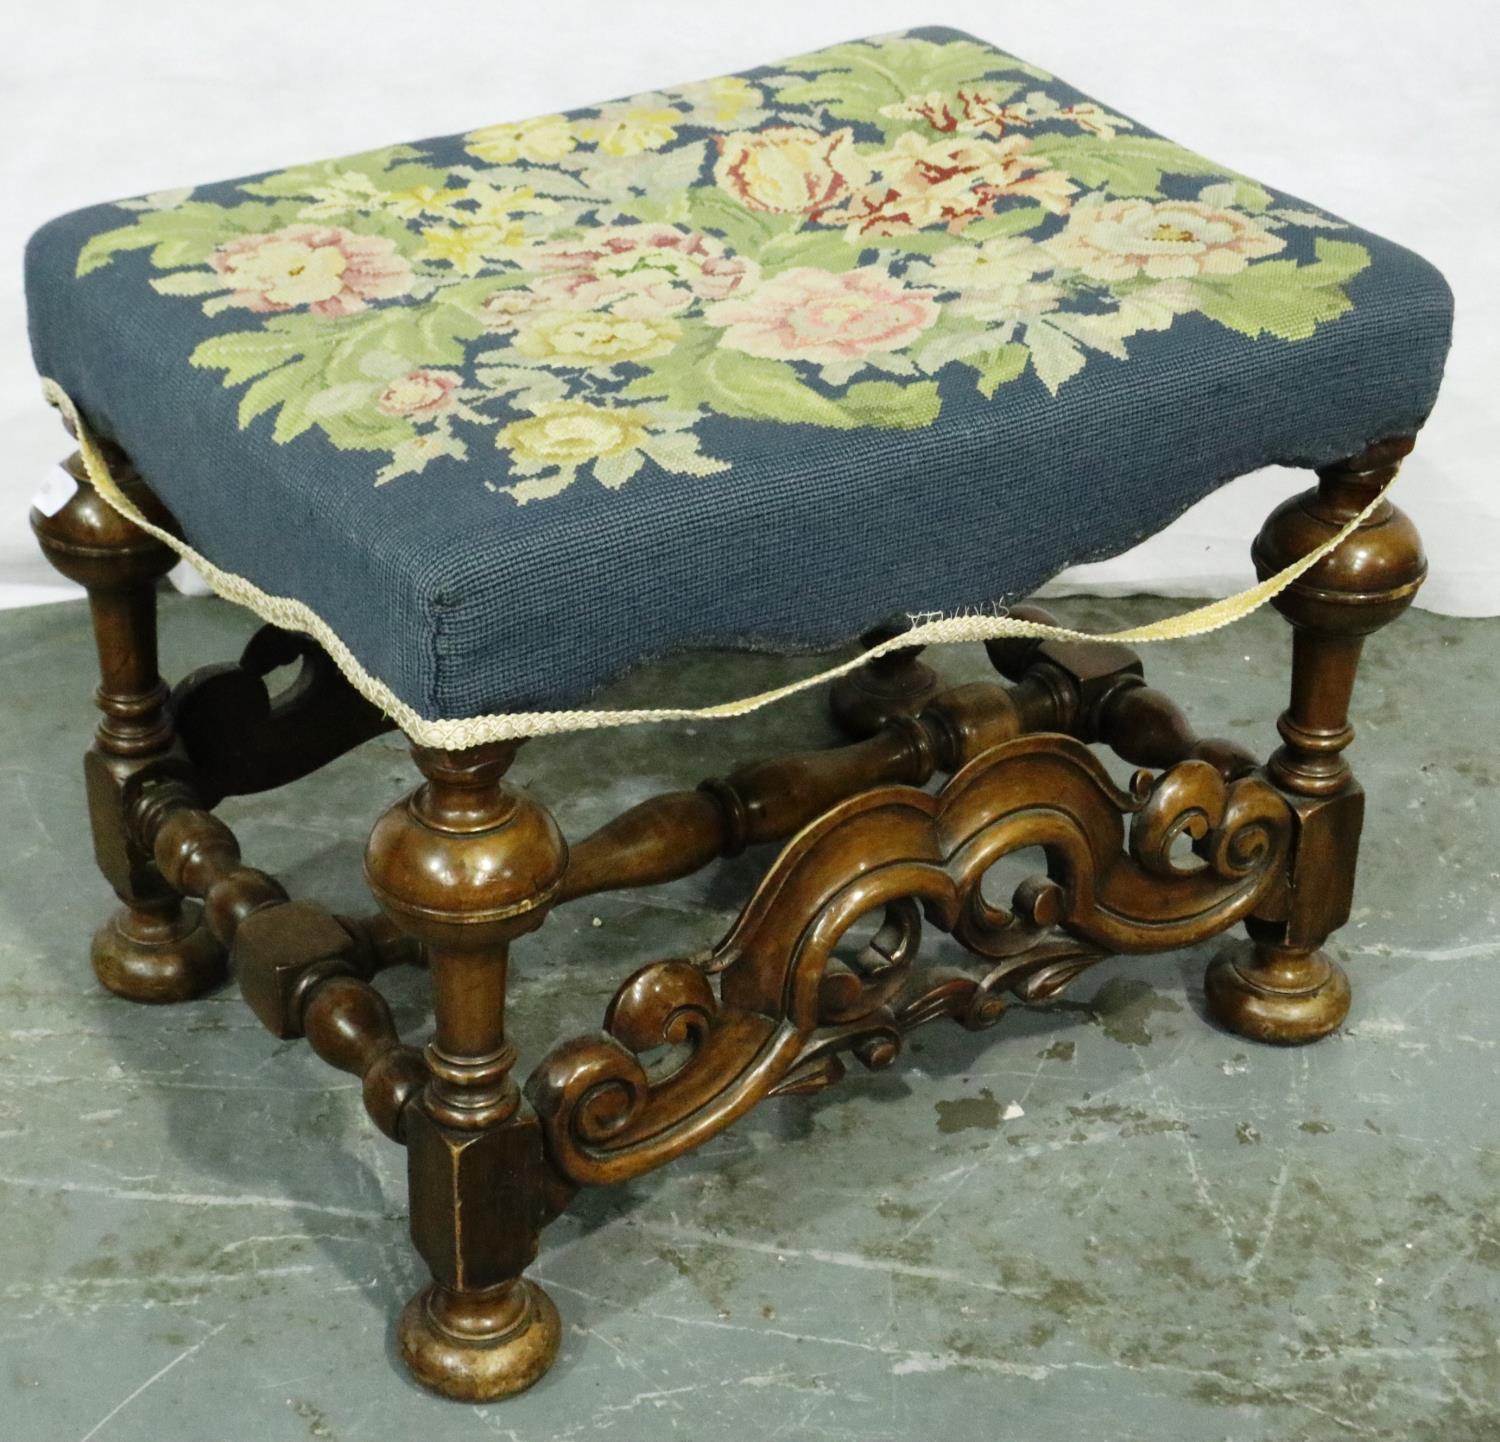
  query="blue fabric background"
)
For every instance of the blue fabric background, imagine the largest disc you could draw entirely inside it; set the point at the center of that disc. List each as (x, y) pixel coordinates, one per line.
(465, 603)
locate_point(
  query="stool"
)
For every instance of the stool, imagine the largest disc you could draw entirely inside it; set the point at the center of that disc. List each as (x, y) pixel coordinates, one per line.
(891, 331)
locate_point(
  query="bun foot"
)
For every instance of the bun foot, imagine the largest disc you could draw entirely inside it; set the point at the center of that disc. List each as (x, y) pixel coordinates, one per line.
(158, 952)
(479, 1346)
(1277, 995)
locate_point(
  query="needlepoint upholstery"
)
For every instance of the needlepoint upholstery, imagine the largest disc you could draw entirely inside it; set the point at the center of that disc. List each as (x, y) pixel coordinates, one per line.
(902, 326)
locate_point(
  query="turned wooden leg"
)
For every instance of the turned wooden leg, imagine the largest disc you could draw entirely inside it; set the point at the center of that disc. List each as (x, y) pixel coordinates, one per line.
(1290, 991)
(153, 948)
(466, 864)
(896, 684)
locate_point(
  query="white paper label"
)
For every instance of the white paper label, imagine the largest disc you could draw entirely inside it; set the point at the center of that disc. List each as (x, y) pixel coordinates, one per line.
(186, 580)
(56, 491)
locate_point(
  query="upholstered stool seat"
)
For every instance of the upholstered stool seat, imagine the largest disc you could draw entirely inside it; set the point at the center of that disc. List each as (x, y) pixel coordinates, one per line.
(905, 325)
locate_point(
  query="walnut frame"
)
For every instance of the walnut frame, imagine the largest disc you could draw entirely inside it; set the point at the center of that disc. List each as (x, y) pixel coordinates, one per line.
(468, 863)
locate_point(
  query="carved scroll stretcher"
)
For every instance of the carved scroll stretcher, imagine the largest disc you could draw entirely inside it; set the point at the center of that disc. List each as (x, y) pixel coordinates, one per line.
(787, 1002)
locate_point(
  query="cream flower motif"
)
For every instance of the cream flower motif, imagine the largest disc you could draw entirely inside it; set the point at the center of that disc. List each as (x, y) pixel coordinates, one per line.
(502, 310)
(159, 199)
(1163, 239)
(628, 130)
(948, 181)
(826, 317)
(570, 432)
(559, 437)
(343, 194)
(327, 269)
(496, 204)
(967, 111)
(413, 455)
(1095, 119)
(542, 140)
(720, 102)
(996, 281)
(419, 395)
(789, 169)
(971, 112)
(594, 339)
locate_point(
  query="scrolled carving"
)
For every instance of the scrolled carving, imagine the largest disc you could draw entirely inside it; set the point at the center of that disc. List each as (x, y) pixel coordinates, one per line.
(604, 1111)
(1187, 801)
(606, 1120)
(664, 1004)
(854, 985)
(242, 739)
(791, 1002)
(597, 1086)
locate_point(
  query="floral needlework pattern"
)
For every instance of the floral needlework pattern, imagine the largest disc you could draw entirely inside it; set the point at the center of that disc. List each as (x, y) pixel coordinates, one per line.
(817, 243)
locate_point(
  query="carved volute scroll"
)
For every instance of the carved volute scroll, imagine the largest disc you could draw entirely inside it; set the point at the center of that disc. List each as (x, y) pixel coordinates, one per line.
(786, 1001)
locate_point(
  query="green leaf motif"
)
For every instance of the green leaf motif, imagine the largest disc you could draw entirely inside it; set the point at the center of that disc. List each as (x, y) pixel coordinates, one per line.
(1013, 220)
(915, 242)
(187, 235)
(856, 81)
(712, 209)
(325, 372)
(891, 405)
(996, 367)
(1125, 165)
(1282, 298)
(381, 168)
(699, 373)
(243, 355)
(823, 248)
(1247, 194)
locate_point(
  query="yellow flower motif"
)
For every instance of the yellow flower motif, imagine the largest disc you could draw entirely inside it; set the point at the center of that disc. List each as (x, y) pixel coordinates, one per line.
(631, 131)
(544, 139)
(730, 98)
(494, 206)
(595, 338)
(569, 433)
(485, 231)
(467, 247)
(420, 200)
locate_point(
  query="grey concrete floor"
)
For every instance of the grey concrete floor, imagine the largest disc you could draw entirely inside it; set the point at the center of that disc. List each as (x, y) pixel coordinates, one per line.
(1104, 1219)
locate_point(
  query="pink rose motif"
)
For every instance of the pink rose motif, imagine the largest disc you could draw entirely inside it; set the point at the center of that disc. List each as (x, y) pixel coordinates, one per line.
(825, 316)
(640, 270)
(419, 395)
(329, 270)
